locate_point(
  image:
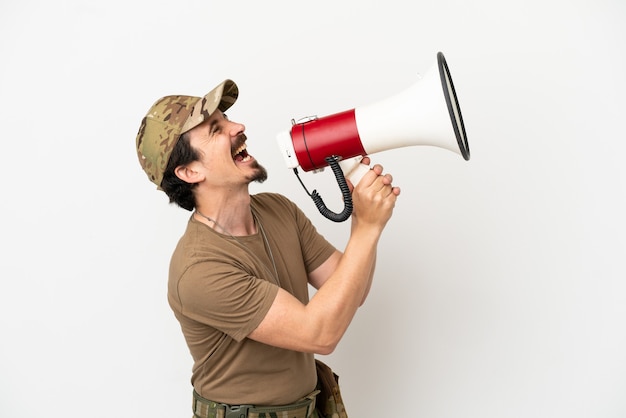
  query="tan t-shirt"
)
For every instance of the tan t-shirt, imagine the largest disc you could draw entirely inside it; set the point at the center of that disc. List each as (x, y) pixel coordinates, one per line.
(220, 289)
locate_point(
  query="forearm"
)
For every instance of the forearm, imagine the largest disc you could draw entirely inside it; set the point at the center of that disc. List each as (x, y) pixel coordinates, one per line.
(333, 306)
(371, 275)
(371, 279)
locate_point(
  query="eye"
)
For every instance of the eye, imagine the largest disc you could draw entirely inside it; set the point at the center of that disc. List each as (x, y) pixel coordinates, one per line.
(214, 128)
(219, 121)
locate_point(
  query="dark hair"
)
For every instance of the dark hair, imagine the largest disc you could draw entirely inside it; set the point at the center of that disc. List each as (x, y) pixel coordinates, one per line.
(179, 191)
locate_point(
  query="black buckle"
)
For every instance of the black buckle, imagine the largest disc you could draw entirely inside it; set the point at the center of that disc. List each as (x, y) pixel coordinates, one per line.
(236, 411)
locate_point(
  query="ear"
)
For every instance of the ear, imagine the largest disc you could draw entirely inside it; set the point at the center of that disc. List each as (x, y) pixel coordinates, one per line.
(189, 173)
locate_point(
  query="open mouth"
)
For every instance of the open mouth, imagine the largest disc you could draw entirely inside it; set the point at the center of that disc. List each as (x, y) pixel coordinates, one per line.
(240, 154)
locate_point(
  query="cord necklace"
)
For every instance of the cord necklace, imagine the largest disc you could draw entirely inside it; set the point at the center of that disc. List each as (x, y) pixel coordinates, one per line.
(266, 243)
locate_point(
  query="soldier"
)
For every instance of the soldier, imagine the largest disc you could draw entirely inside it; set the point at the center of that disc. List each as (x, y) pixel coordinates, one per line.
(238, 278)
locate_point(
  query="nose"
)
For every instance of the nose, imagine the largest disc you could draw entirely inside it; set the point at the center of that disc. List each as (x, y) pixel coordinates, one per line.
(237, 128)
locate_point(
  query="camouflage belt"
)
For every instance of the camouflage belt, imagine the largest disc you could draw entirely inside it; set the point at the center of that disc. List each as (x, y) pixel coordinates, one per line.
(204, 408)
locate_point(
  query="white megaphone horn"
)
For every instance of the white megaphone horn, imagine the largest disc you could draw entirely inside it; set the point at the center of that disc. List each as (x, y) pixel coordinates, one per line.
(427, 113)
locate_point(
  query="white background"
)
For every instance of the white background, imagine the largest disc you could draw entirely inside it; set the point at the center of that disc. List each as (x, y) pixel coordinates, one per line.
(500, 290)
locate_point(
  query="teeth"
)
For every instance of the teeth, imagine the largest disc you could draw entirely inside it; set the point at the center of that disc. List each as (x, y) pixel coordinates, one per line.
(241, 148)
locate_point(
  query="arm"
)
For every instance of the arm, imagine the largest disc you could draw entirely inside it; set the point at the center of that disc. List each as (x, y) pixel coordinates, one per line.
(344, 279)
(318, 277)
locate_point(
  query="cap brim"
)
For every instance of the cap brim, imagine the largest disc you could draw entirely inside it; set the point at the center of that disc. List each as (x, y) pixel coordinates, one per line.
(221, 97)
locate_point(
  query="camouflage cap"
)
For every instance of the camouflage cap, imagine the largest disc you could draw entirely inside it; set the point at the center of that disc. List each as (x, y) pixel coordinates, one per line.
(172, 116)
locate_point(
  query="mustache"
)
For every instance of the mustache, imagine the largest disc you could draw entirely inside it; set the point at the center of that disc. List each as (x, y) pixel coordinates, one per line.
(241, 139)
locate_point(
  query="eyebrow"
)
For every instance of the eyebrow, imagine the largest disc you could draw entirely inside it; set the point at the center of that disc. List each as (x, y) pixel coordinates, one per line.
(215, 121)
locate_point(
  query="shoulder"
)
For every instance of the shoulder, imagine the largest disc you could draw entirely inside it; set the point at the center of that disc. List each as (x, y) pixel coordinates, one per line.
(269, 197)
(278, 211)
(274, 202)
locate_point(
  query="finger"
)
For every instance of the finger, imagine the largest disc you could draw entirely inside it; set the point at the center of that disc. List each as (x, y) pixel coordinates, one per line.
(370, 176)
(384, 189)
(387, 178)
(384, 181)
(378, 169)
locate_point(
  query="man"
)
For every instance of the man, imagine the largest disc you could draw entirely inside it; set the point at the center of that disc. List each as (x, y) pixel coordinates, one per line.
(238, 280)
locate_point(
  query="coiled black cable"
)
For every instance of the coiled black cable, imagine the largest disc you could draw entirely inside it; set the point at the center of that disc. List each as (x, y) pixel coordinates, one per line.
(333, 162)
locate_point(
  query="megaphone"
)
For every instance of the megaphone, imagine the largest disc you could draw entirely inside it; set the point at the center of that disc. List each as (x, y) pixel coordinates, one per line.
(427, 113)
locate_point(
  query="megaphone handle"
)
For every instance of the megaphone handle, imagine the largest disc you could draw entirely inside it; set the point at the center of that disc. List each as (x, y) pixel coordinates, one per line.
(357, 173)
(353, 169)
(345, 191)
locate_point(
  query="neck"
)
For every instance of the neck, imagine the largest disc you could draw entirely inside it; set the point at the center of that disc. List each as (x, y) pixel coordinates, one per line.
(229, 218)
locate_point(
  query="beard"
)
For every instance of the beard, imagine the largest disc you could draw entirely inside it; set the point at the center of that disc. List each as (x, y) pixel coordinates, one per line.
(260, 173)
